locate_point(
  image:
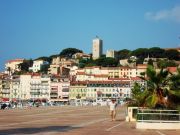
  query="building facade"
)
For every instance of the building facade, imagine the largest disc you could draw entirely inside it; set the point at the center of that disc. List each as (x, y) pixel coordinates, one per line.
(13, 65)
(59, 89)
(96, 90)
(37, 65)
(111, 54)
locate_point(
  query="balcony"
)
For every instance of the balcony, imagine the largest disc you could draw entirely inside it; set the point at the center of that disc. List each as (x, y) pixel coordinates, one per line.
(53, 95)
(5, 91)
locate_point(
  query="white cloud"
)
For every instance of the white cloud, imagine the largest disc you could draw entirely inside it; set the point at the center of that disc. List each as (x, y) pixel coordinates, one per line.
(169, 15)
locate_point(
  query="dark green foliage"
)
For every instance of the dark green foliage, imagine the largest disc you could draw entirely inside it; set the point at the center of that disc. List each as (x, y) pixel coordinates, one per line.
(162, 89)
(166, 63)
(150, 62)
(140, 53)
(140, 61)
(123, 54)
(68, 52)
(25, 65)
(172, 54)
(175, 85)
(106, 62)
(156, 52)
(44, 68)
(102, 61)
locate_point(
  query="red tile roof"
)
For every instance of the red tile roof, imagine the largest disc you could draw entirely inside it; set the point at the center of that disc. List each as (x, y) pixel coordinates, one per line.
(81, 73)
(15, 60)
(101, 75)
(135, 78)
(172, 69)
(122, 79)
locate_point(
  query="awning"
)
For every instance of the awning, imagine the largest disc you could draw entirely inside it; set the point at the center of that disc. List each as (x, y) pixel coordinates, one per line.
(5, 99)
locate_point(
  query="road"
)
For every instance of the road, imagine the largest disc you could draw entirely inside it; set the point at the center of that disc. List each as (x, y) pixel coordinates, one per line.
(70, 120)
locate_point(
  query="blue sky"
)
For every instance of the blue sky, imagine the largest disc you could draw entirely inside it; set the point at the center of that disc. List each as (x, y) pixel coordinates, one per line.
(34, 28)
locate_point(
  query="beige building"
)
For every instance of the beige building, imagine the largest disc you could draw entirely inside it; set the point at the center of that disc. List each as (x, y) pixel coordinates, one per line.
(104, 73)
(81, 55)
(97, 48)
(95, 90)
(61, 66)
(5, 91)
(15, 88)
(13, 65)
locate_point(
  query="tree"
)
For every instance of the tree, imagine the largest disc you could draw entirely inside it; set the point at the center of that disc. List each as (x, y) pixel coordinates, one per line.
(140, 61)
(24, 67)
(123, 54)
(140, 53)
(156, 52)
(138, 95)
(158, 91)
(106, 62)
(172, 54)
(68, 52)
(174, 98)
(44, 68)
(166, 63)
(150, 62)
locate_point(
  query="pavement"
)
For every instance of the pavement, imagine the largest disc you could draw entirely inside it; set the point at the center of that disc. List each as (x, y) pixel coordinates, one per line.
(70, 120)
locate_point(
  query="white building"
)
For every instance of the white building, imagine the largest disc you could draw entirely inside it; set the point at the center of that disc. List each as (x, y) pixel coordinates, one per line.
(25, 86)
(34, 86)
(37, 65)
(40, 87)
(97, 49)
(111, 53)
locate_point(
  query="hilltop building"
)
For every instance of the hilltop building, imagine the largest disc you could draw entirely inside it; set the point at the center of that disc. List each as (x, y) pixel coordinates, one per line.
(97, 49)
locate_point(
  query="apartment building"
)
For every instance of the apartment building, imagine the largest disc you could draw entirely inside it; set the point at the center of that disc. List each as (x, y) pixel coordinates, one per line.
(95, 90)
(59, 91)
(61, 66)
(5, 91)
(25, 86)
(103, 73)
(15, 89)
(40, 87)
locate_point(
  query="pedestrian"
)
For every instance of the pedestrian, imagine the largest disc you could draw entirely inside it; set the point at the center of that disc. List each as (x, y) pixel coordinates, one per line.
(112, 106)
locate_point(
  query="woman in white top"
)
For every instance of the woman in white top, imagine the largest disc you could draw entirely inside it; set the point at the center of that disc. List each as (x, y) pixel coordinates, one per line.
(113, 106)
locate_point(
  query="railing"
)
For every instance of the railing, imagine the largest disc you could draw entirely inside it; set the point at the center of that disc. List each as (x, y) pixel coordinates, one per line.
(158, 116)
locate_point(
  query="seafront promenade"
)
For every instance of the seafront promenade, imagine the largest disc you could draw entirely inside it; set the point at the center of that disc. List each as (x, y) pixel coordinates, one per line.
(70, 120)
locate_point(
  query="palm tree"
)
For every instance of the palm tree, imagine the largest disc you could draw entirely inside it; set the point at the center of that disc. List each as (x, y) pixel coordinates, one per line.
(174, 97)
(158, 90)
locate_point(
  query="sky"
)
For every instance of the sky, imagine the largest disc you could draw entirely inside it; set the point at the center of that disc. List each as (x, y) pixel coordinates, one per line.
(35, 28)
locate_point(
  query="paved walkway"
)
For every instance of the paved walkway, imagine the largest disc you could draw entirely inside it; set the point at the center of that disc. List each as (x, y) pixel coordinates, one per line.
(69, 120)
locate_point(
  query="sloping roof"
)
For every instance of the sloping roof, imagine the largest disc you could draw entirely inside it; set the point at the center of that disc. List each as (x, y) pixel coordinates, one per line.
(15, 60)
(172, 69)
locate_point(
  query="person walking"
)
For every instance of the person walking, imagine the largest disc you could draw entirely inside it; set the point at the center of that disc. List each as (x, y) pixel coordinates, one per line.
(112, 106)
